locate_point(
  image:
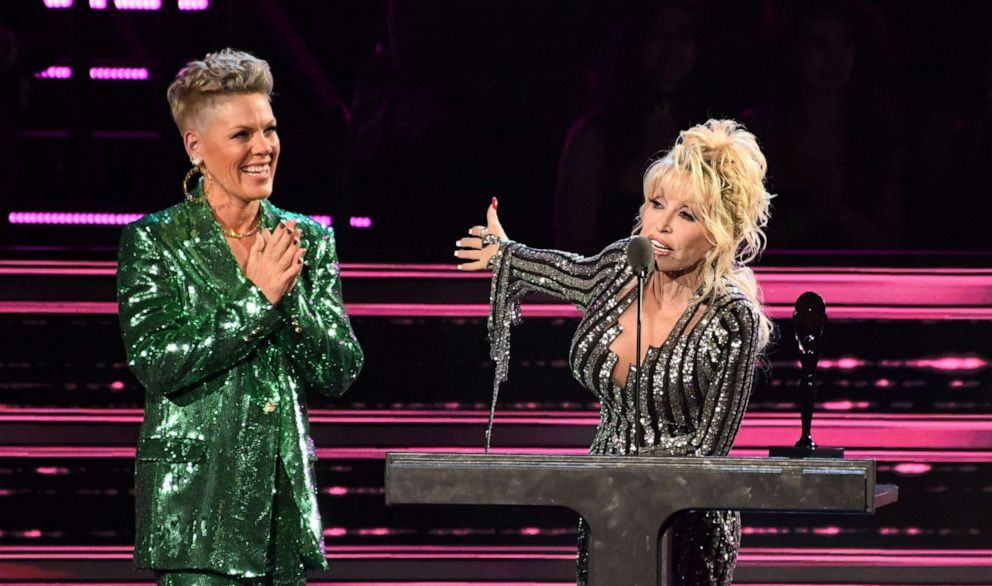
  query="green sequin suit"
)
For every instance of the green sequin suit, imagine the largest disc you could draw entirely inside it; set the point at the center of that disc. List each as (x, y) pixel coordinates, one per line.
(225, 373)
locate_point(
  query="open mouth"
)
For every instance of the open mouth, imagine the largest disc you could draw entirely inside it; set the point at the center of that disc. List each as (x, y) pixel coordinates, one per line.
(257, 170)
(660, 248)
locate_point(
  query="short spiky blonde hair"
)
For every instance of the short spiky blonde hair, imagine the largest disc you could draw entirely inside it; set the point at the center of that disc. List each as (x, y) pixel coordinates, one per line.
(725, 170)
(226, 72)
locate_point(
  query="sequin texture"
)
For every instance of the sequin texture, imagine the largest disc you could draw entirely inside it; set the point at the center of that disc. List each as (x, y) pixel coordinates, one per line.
(225, 374)
(699, 380)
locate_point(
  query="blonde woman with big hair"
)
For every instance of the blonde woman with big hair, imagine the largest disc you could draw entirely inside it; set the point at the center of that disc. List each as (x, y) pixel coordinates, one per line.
(704, 211)
(227, 329)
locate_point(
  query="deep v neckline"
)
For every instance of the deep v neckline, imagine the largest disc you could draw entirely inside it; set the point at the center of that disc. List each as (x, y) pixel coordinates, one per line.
(230, 268)
(677, 331)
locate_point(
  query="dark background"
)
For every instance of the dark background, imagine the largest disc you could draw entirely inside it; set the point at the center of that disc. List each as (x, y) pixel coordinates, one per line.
(416, 113)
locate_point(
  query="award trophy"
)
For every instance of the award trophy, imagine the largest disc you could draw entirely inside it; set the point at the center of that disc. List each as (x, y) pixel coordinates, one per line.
(808, 319)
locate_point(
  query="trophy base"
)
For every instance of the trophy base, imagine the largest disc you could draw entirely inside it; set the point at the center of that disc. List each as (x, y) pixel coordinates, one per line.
(805, 452)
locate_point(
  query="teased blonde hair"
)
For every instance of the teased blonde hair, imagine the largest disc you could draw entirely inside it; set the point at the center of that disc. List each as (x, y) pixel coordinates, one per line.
(224, 73)
(725, 170)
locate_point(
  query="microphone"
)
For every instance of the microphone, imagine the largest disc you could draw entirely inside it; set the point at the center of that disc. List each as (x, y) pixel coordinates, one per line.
(640, 256)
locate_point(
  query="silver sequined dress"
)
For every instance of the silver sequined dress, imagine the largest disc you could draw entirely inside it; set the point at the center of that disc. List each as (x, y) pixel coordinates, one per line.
(699, 381)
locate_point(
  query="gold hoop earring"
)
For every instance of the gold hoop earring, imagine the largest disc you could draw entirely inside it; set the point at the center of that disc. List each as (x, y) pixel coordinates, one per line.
(190, 197)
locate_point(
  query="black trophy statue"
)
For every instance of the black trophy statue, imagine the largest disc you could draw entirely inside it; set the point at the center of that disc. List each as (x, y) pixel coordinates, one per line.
(809, 317)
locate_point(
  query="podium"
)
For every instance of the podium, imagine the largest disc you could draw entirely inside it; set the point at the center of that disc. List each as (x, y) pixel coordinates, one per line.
(627, 501)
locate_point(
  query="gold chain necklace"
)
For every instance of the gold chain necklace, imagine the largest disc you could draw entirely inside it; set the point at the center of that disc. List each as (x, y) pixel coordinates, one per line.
(251, 232)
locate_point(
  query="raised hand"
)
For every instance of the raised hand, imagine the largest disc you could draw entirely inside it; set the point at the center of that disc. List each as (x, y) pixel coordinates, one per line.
(275, 261)
(471, 248)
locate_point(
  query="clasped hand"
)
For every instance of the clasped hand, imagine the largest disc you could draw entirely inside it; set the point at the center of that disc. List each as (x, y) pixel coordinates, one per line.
(275, 260)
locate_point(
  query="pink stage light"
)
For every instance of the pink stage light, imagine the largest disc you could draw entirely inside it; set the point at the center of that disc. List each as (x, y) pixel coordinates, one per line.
(77, 218)
(117, 385)
(335, 532)
(324, 221)
(531, 531)
(826, 530)
(95, 218)
(337, 490)
(55, 72)
(950, 363)
(119, 73)
(138, 4)
(194, 4)
(845, 405)
(58, 3)
(912, 468)
(844, 363)
(98, 4)
(360, 222)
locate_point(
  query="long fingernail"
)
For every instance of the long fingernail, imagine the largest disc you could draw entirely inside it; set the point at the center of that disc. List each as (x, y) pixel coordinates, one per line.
(495, 204)
(459, 267)
(296, 241)
(299, 260)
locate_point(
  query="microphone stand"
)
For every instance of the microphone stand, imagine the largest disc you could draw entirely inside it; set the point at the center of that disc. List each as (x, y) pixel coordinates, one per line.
(638, 428)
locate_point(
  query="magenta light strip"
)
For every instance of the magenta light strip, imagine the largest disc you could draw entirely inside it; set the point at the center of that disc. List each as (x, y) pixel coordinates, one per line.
(96, 218)
(138, 4)
(347, 271)
(544, 417)
(194, 4)
(58, 3)
(360, 222)
(120, 73)
(748, 556)
(59, 272)
(479, 310)
(59, 263)
(56, 71)
(50, 218)
(59, 307)
(98, 73)
(98, 4)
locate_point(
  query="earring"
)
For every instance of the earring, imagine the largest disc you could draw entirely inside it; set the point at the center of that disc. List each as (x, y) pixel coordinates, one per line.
(190, 197)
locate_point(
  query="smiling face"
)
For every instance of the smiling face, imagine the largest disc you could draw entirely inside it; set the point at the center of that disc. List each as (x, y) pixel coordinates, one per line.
(671, 220)
(236, 139)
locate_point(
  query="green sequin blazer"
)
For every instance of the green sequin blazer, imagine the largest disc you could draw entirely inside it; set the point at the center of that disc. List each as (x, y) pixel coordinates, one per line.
(225, 373)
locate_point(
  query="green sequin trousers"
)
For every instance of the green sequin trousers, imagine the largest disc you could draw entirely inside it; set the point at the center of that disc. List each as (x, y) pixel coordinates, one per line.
(286, 567)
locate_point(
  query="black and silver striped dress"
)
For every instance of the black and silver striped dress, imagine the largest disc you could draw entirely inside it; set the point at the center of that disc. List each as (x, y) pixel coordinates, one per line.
(699, 380)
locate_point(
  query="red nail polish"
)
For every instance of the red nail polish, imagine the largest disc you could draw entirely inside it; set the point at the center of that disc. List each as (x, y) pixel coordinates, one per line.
(495, 204)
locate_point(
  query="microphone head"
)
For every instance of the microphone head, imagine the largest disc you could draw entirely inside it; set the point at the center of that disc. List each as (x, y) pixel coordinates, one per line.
(810, 314)
(640, 256)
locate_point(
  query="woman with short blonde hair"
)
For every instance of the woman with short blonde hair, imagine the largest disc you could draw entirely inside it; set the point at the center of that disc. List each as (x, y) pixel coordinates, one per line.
(227, 328)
